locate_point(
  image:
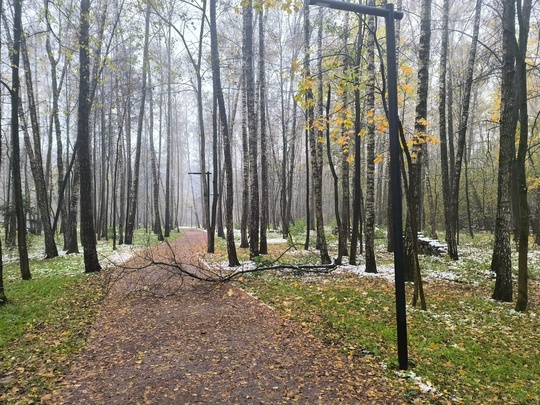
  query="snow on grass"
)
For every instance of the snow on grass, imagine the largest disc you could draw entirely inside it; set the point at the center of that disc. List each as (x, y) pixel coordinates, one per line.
(118, 257)
(384, 271)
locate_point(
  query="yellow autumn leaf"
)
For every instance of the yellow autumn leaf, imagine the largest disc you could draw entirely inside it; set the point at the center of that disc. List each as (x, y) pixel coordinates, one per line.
(534, 183)
(432, 139)
(406, 69)
(407, 88)
(382, 126)
(496, 115)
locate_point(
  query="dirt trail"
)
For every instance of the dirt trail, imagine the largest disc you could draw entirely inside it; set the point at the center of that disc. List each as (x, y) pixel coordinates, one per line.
(210, 346)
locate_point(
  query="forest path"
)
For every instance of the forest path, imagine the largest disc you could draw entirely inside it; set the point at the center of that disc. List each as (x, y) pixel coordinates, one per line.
(210, 345)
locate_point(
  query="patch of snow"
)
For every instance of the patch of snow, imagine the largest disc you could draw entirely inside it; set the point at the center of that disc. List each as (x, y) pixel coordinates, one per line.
(276, 240)
(118, 258)
(383, 271)
(446, 275)
(424, 386)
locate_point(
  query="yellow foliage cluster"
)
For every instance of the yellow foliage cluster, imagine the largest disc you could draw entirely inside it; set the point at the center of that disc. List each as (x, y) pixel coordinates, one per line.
(406, 70)
(534, 183)
(306, 84)
(379, 121)
(496, 114)
(406, 88)
(343, 140)
(422, 138)
(319, 124)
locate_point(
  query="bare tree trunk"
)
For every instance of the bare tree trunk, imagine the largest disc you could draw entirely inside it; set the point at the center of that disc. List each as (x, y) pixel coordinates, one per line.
(344, 230)
(316, 133)
(420, 126)
(155, 177)
(501, 262)
(169, 139)
(88, 235)
(247, 51)
(244, 243)
(431, 202)
(3, 298)
(263, 135)
(130, 226)
(36, 160)
(334, 177)
(308, 183)
(125, 202)
(449, 222)
(284, 160)
(357, 186)
(524, 15)
(308, 118)
(215, 177)
(15, 151)
(371, 264)
(58, 131)
(71, 228)
(218, 92)
(118, 168)
(463, 124)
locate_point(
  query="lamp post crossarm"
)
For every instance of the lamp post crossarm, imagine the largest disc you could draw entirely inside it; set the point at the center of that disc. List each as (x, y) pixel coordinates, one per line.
(357, 8)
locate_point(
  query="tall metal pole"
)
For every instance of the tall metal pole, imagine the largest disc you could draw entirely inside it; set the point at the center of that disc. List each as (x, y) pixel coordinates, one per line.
(390, 16)
(395, 175)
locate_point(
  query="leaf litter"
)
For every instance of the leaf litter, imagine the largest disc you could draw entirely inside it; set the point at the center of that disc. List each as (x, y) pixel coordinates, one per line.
(209, 344)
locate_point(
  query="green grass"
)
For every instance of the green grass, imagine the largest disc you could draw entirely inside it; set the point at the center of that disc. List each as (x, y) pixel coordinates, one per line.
(471, 349)
(47, 320)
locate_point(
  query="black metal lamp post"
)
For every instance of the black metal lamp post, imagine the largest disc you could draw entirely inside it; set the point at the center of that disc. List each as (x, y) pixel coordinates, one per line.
(393, 119)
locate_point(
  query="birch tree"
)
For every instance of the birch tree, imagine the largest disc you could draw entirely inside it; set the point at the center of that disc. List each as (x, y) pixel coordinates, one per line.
(218, 92)
(133, 204)
(253, 144)
(501, 262)
(88, 235)
(263, 134)
(462, 132)
(419, 144)
(524, 15)
(371, 265)
(15, 149)
(35, 157)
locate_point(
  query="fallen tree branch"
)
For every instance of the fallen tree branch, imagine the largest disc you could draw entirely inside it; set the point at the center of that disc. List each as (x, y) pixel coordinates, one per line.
(158, 271)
